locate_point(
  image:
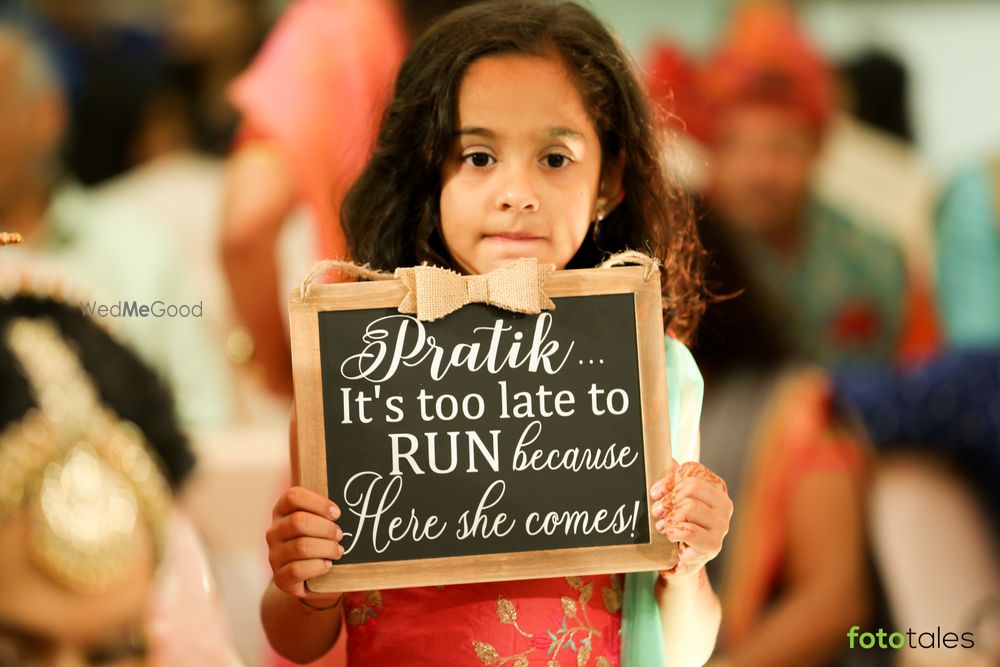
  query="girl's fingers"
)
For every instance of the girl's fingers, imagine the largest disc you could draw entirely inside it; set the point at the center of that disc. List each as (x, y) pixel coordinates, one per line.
(302, 524)
(661, 487)
(298, 498)
(304, 549)
(707, 492)
(693, 491)
(693, 508)
(696, 512)
(708, 543)
(658, 509)
(290, 578)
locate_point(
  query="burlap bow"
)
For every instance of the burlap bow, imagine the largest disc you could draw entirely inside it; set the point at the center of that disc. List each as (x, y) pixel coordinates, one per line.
(432, 292)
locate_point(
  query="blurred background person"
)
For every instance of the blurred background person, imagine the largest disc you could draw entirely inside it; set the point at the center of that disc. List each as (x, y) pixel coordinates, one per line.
(139, 86)
(795, 572)
(186, 131)
(936, 439)
(98, 566)
(310, 113)
(935, 509)
(206, 44)
(876, 85)
(102, 246)
(763, 103)
(937, 426)
(871, 168)
(310, 104)
(109, 70)
(967, 232)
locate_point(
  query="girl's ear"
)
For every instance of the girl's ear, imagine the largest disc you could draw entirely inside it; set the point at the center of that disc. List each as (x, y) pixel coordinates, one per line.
(610, 192)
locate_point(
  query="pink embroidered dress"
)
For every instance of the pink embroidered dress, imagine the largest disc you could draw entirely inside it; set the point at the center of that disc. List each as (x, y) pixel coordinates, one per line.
(570, 621)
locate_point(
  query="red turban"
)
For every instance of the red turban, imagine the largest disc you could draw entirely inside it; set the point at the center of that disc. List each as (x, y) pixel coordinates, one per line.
(764, 59)
(670, 81)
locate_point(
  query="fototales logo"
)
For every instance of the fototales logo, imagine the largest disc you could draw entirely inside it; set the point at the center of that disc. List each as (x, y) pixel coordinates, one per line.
(912, 639)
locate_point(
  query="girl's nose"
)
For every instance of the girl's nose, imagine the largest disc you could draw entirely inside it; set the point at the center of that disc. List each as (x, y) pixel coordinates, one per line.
(517, 194)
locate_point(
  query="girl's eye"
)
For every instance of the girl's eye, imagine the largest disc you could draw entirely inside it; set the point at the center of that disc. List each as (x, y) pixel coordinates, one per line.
(479, 159)
(557, 160)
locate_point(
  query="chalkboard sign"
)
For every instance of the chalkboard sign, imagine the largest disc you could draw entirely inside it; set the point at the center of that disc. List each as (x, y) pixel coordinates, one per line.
(486, 445)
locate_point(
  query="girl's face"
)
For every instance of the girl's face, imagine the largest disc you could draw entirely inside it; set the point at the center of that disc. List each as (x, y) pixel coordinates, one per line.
(523, 176)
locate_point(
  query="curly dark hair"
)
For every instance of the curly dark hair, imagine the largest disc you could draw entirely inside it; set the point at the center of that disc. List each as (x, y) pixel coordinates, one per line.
(126, 385)
(391, 214)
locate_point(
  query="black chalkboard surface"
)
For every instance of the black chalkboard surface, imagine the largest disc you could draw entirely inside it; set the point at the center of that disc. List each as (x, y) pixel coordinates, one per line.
(550, 436)
(487, 444)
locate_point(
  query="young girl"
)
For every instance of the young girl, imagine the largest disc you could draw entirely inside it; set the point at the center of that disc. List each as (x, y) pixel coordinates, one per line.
(518, 129)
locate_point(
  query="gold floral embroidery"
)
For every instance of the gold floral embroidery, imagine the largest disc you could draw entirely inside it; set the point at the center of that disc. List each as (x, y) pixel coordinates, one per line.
(367, 609)
(613, 596)
(576, 632)
(486, 652)
(507, 613)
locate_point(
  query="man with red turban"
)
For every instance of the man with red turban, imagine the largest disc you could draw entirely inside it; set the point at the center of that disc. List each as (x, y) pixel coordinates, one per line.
(761, 105)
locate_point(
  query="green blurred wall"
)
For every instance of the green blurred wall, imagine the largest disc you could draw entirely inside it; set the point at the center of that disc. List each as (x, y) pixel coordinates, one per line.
(693, 24)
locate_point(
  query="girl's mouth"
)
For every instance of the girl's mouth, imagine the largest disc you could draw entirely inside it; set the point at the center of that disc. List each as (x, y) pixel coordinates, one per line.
(514, 236)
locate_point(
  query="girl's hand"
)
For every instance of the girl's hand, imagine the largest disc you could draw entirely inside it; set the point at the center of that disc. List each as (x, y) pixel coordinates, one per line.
(691, 507)
(303, 541)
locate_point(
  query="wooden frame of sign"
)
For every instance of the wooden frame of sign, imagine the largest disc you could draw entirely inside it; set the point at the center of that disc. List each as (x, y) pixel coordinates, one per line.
(642, 548)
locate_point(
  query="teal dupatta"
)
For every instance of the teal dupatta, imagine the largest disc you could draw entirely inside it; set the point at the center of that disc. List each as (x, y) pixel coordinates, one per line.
(642, 631)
